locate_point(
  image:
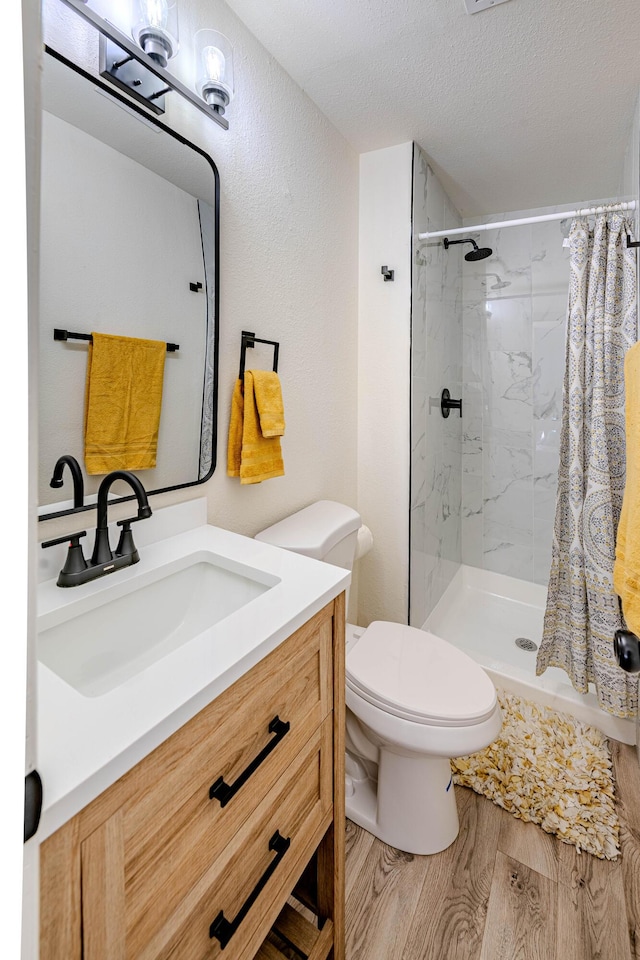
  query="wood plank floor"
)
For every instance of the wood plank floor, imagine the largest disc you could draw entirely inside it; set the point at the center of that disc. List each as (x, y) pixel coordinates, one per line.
(505, 890)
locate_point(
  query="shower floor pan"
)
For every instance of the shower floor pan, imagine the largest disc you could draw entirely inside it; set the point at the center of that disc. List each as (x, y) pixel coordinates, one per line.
(484, 614)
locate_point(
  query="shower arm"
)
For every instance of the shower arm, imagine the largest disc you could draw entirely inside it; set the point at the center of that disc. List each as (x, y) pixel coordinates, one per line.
(448, 243)
(475, 254)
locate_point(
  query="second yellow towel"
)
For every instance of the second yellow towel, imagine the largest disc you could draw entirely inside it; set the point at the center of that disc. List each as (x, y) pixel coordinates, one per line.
(626, 570)
(122, 403)
(268, 394)
(251, 455)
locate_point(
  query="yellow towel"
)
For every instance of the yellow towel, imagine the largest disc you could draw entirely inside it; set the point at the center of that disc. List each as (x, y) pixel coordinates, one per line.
(122, 403)
(268, 393)
(250, 455)
(234, 444)
(626, 570)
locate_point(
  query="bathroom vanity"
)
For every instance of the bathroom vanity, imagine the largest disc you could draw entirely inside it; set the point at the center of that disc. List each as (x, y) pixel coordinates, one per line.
(196, 848)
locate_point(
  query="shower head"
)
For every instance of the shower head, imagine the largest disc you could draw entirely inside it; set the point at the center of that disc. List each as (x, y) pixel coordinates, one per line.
(500, 284)
(478, 253)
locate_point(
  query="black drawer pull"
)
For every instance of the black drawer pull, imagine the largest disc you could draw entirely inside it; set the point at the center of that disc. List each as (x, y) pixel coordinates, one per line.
(223, 929)
(223, 791)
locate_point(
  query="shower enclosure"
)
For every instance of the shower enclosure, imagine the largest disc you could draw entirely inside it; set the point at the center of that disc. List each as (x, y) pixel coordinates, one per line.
(483, 484)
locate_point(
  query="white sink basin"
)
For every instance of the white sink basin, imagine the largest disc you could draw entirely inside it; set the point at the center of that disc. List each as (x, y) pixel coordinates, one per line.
(113, 636)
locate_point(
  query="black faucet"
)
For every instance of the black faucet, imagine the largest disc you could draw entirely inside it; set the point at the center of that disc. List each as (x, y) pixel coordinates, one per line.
(101, 548)
(76, 473)
(76, 569)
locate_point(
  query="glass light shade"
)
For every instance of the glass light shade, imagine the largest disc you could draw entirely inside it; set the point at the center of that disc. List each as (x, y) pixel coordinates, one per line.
(155, 28)
(214, 68)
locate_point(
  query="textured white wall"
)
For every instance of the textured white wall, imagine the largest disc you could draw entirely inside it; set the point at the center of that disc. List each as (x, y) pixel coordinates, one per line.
(288, 266)
(384, 338)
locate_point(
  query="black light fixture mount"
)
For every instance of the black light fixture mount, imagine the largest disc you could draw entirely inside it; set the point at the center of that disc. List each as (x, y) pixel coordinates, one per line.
(127, 73)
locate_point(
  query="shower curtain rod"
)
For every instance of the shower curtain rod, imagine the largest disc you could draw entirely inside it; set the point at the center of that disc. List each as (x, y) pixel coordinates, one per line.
(582, 212)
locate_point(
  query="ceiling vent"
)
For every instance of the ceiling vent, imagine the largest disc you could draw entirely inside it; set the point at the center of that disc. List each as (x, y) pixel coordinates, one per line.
(475, 6)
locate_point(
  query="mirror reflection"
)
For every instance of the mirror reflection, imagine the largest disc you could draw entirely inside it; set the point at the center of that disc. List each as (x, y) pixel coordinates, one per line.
(128, 249)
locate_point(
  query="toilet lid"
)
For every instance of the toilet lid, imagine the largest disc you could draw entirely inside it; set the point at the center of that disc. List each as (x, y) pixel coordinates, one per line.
(416, 675)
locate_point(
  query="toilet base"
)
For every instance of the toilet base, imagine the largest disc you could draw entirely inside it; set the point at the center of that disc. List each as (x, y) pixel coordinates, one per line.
(422, 818)
(362, 805)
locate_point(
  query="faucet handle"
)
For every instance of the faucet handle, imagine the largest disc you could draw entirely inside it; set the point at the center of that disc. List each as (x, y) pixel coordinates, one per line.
(67, 538)
(126, 547)
(75, 561)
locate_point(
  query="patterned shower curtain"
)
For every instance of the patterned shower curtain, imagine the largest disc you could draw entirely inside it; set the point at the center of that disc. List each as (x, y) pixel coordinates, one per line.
(583, 612)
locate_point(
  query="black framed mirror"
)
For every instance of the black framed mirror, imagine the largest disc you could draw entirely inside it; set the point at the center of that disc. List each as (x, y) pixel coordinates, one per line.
(129, 246)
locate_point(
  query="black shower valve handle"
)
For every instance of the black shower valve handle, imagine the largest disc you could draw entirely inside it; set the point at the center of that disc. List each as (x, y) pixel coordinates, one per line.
(447, 404)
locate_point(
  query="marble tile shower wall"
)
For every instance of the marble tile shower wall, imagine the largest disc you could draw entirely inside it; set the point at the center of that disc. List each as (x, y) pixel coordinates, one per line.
(513, 369)
(436, 362)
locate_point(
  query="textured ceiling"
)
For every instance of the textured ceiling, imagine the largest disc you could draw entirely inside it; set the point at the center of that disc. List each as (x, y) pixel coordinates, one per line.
(525, 104)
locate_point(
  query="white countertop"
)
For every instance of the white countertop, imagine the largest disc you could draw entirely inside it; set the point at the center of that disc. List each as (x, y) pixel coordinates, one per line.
(86, 743)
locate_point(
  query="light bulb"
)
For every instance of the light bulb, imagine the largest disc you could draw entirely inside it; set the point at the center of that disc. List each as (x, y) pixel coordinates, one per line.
(155, 12)
(214, 63)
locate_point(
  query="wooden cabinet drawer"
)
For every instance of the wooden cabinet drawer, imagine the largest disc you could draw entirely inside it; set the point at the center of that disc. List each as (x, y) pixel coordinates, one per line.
(298, 809)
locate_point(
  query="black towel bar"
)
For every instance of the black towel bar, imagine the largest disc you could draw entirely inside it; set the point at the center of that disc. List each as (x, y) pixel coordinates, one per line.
(68, 335)
(248, 340)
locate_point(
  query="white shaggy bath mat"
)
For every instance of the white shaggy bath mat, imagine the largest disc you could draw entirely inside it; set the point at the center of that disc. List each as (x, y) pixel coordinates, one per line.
(551, 769)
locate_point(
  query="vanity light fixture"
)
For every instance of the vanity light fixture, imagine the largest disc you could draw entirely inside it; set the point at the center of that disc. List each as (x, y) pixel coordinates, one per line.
(214, 59)
(137, 64)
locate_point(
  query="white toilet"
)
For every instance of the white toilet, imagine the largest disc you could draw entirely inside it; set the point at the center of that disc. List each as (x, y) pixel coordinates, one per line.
(414, 701)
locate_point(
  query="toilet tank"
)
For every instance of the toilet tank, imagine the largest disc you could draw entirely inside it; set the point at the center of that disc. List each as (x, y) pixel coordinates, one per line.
(324, 530)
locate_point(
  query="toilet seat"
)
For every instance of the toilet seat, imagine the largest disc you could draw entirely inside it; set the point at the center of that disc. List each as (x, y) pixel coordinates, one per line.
(417, 676)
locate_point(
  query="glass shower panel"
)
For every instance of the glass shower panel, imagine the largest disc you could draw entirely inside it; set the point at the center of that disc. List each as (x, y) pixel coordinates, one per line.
(436, 363)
